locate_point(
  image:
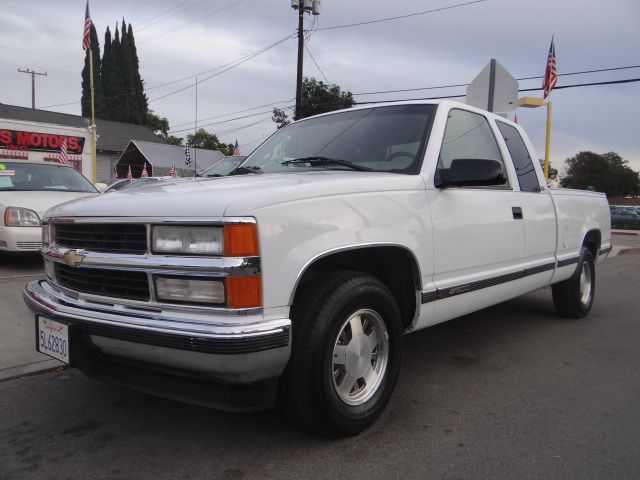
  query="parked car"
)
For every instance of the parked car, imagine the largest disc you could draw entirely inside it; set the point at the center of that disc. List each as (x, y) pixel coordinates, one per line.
(124, 184)
(223, 167)
(625, 217)
(27, 190)
(296, 278)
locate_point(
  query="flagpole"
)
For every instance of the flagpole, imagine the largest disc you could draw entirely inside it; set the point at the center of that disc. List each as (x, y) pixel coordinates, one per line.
(547, 146)
(93, 118)
(195, 131)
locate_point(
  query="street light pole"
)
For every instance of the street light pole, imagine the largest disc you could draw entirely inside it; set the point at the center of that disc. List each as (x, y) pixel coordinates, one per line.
(298, 112)
(534, 102)
(309, 6)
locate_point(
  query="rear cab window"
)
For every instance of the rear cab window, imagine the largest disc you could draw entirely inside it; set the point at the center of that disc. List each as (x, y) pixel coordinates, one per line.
(525, 170)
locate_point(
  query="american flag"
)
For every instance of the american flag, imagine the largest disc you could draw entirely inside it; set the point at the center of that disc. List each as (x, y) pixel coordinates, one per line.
(172, 172)
(236, 150)
(63, 157)
(144, 173)
(129, 176)
(86, 36)
(187, 155)
(114, 175)
(551, 72)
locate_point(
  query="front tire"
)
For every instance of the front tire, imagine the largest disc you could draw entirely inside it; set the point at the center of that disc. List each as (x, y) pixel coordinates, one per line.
(346, 353)
(573, 297)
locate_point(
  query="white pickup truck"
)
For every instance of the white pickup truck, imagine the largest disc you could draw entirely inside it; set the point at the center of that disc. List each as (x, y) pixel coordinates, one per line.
(293, 279)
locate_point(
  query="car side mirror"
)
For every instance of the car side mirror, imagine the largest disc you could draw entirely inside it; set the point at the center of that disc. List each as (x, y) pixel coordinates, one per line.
(471, 172)
(101, 187)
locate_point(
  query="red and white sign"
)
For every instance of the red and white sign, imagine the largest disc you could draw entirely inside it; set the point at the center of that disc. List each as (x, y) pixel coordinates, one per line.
(39, 142)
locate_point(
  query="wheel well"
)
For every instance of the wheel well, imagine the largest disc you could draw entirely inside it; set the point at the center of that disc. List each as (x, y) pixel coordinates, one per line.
(396, 267)
(592, 242)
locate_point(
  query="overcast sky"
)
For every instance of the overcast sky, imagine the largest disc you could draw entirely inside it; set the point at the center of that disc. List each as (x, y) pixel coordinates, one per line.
(181, 38)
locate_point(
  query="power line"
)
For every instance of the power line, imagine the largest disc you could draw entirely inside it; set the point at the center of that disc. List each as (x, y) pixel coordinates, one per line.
(246, 59)
(559, 87)
(235, 113)
(316, 64)
(228, 120)
(233, 63)
(522, 78)
(388, 19)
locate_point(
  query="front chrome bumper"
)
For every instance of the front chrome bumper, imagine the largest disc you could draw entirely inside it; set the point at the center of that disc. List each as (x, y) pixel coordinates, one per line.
(233, 349)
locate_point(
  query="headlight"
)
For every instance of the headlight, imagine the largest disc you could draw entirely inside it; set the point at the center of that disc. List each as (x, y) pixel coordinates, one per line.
(188, 240)
(189, 290)
(21, 217)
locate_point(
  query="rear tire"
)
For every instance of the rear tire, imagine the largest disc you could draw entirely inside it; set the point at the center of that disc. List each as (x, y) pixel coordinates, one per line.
(573, 297)
(346, 352)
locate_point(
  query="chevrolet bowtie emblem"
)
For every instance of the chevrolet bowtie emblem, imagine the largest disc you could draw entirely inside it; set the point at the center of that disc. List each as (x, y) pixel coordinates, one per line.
(73, 258)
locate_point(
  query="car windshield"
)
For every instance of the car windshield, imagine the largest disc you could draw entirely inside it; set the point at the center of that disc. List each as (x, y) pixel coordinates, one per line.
(222, 168)
(34, 177)
(381, 139)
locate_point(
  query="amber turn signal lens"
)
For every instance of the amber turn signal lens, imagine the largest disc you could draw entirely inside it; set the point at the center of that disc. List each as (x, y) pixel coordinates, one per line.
(240, 240)
(244, 292)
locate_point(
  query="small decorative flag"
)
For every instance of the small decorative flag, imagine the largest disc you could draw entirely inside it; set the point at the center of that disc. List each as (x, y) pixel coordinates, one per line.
(172, 172)
(114, 175)
(551, 72)
(129, 176)
(236, 150)
(63, 157)
(144, 173)
(86, 36)
(515, 118)
(187, 155)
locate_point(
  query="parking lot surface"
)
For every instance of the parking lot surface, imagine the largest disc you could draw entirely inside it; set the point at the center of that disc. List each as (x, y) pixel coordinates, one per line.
(513, 391)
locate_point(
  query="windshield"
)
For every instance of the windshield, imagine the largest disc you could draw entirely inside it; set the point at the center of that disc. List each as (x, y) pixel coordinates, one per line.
(223, 167)
(35, 177)
(382, 139)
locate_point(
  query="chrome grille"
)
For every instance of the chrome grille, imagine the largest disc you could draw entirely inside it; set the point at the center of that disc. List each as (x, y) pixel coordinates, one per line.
(99, 281)
(103, 237)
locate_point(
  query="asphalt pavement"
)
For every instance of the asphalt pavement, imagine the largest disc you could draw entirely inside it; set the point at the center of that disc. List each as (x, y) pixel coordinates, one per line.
(511, 392)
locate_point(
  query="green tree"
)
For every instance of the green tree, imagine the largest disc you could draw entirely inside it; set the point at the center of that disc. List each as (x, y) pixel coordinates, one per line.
(105, 76)
(85, 101)
(141, 101)
(159, 125)
(208, 141)
(553, 172)
(606, 172)
(173, 140)
(317, 97)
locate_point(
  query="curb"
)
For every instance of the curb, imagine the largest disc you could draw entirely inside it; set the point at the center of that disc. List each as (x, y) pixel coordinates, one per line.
(629, 250)
(625, 232)
(29, 369)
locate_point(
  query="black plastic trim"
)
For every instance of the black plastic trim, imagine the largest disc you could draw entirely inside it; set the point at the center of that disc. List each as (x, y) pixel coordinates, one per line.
(568, 261)
(221, 346)
(441, 294)
(606, 250)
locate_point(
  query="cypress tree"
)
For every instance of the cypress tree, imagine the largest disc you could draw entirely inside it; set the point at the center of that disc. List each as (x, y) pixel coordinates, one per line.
(105, 77)
(142, 103)
(116, 81)
(85, 100)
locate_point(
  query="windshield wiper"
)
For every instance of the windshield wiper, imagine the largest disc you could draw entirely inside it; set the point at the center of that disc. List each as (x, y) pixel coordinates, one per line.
(317, 160)
(243, 170)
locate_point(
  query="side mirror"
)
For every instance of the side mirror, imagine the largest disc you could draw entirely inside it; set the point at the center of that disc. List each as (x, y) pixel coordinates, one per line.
(102, 187)
(471, 172)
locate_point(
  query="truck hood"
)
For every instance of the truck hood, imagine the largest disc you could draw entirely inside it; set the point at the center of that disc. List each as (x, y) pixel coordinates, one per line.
(233, 196)
(39, 201)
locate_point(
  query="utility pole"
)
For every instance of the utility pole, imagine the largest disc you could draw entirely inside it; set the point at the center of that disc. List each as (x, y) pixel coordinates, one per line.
(302, 6)
(33, 74)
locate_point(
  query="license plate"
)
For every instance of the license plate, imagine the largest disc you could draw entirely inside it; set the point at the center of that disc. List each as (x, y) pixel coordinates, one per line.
(53, 339)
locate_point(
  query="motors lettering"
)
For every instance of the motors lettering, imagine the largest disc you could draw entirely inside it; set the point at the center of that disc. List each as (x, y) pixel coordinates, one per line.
(40, 142)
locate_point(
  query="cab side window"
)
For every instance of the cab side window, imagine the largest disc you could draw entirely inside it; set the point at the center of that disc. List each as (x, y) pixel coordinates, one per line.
(527, 177)
(468, 136)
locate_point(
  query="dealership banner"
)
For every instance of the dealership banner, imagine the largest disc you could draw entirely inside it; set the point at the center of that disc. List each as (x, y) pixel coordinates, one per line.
(39, 142)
